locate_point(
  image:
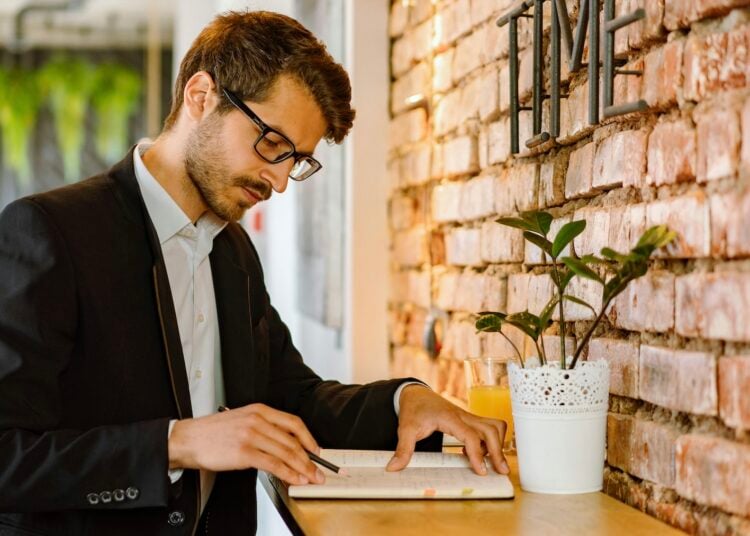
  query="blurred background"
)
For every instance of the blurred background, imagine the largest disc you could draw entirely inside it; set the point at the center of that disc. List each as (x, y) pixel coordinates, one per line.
(81, 81)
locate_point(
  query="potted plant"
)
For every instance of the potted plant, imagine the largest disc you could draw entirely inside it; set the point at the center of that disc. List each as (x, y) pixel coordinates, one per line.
(560, 405)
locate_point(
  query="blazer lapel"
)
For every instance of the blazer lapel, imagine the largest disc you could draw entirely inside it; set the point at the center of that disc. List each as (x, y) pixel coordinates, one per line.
(128, 192)
(232, 290)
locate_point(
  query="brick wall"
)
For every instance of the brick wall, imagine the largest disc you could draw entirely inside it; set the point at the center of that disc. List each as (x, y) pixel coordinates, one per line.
(678, 340)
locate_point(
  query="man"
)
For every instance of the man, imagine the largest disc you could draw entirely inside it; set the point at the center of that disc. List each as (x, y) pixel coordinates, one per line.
(132, 305)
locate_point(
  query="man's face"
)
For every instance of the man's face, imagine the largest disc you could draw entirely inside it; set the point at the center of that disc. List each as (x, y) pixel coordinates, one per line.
(222, 163)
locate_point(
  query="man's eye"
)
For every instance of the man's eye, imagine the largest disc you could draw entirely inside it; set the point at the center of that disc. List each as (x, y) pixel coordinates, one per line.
(269, 143)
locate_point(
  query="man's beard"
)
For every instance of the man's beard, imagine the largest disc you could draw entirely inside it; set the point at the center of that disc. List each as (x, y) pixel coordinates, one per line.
(204, 164)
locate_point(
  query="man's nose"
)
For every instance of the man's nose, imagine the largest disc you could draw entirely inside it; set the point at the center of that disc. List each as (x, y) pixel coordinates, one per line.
(278, 174)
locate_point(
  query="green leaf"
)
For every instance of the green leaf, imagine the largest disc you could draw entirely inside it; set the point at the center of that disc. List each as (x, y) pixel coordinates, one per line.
(517, 223)
(565, 277)
(581, 269)
(491, 322)
(613, 255)
(546, 315)
(542, 221)
(566, 234)
(526, 322)
(610, 266)
(538, 240)
(579, 301)
(656, 237)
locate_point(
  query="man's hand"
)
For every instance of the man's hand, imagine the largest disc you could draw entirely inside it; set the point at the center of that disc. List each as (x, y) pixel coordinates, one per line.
(423, 412)
(251, 436)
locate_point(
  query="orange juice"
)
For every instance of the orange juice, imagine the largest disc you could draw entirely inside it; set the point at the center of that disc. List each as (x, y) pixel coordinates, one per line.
(492, 401)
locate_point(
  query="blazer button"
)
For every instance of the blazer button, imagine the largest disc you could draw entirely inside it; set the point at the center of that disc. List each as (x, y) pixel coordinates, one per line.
(92, 498)
(132, 493)
(119, 495)
(105, 497)
(176, 518)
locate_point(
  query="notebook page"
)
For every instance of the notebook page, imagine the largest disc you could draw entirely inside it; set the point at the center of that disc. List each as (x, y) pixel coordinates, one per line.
(380, 458)
(410, 483)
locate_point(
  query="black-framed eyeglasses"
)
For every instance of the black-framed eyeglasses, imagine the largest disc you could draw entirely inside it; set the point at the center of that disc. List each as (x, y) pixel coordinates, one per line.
(273, 147)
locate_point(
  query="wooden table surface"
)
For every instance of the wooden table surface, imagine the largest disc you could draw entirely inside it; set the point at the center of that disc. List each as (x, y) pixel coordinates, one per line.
(530, 514)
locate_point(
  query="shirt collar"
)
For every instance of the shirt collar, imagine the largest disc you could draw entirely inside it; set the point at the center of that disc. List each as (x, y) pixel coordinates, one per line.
(166, 215)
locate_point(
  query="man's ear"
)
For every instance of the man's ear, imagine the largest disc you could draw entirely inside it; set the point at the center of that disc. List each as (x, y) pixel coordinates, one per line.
(199, 97)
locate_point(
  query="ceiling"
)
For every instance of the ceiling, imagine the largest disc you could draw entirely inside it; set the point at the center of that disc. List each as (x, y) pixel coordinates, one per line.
(84, 23)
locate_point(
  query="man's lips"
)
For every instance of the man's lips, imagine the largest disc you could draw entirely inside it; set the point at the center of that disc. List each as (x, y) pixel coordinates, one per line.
(254, 197)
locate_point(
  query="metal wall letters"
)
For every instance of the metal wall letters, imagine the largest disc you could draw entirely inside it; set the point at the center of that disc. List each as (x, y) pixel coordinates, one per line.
(561, 31)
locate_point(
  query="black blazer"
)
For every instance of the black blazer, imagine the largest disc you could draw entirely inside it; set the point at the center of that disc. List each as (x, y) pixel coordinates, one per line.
(91, 370)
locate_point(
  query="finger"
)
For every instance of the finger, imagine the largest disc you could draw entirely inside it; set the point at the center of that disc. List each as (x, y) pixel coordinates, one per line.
(472, 443)
(407, 441)
(292, 424)
(501, 428)
(272, 440)
(278, 468)
(492, 439)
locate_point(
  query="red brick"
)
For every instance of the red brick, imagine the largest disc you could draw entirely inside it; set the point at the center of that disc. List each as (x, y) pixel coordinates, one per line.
(647, 304)
(499, 142)
(745, 120)
(421, 10)
(714, 471)
(500, 243)
(399, 18)
(408, 127)
(394, 173)
(525, 74)
(586, 290)
(462, 247)
(415, 326)
(620, 159)
(671, 153)
(552, 181)
(626, 225)
(680, 13)
(471, 95)
(461, 341)
(516, 190)
(399, 286)
(446, 201)
(442, 71)
(481, 10)
(596, 234)
(414, 83)
(622, 357)
(469, 54)
(470, 292)
(574, 114)
(436, 161)
(539, 292)
(419, 288)
(495, 290)
(689, 217)
(410, 247)
(650, 28)
(447, 112)
(552, 347)
(496, 43)
(629, 88)
(422, 40)
(578, 180)
(714, 63)
(620, 440)
(403, 212)
(710, 305)
(402, 54)
(729, 223)
(734, 383)
(678, 379)
(477, 198)
(518, 292)
(489, 103)
(719, 138)
(413, 362)
(653, 454)
(533, 254)
(483, 148)
(416, 165)
(447, 283)
(460, 156)
(662, 75)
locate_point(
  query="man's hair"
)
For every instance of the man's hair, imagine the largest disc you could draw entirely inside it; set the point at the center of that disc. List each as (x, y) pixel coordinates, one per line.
(247, 51)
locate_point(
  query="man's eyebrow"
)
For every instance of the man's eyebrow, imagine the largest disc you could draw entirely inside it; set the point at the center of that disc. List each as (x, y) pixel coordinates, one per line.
(279, 131)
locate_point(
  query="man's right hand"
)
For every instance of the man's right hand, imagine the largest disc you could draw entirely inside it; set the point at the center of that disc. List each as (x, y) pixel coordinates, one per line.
(254, 436)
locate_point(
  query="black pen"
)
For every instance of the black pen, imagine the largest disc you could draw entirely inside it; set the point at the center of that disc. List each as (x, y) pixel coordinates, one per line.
(314, 457)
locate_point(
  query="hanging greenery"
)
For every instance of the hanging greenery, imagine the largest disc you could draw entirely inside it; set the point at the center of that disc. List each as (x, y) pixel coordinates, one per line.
(116, 93)
(69, 83)
(20, 99)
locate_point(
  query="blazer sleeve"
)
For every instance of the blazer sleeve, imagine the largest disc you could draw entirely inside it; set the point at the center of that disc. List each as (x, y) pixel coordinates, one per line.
(42, 466)
(338, 415)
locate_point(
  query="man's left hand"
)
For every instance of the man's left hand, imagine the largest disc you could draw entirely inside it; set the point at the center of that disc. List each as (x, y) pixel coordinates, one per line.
(423, 412)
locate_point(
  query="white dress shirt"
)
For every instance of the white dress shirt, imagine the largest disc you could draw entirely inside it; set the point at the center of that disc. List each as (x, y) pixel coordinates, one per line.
(185, 248)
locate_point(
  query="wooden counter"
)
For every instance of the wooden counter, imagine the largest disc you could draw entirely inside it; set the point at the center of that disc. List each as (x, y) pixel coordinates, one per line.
(530, 514)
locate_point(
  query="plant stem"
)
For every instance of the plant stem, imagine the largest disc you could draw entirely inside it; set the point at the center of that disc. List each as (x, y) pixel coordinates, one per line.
(523, 365)
(589, 333)
(562, 314)
(542, 357)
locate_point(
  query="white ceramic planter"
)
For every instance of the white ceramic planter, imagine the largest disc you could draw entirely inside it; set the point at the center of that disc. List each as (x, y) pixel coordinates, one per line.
(560, 417)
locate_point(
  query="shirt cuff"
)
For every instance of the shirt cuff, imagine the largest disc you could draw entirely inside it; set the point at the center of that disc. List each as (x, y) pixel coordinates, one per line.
(174, 474)
(397, 394)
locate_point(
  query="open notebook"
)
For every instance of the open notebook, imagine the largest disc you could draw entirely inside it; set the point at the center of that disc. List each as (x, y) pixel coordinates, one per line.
(430, 475)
